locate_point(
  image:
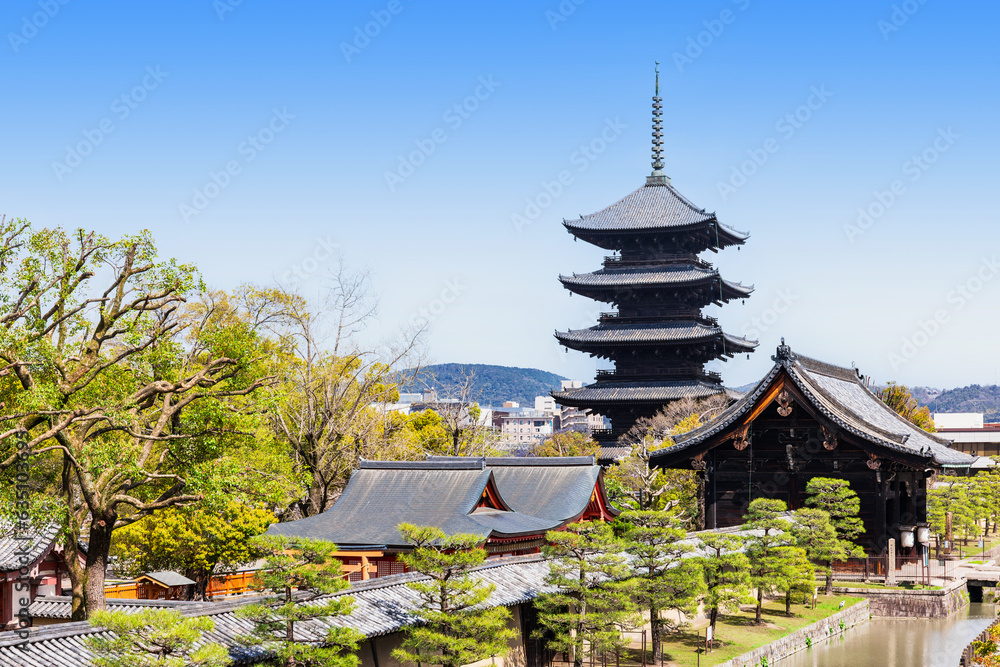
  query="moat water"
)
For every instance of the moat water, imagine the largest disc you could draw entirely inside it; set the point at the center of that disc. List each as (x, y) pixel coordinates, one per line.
(900, 643)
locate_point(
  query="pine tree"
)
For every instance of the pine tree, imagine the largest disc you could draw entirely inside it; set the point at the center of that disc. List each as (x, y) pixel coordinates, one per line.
(154, 638)
(452, 631)
(813, 531)
(775, 563)
(594, 601)
(309, 567)
(727, 574)
(668, 581)
(837, 499)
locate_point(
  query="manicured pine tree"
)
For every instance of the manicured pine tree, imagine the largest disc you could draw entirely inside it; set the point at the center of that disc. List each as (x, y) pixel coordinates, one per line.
(668, 580)
(727, 575)
(775, 562)
(814, 532)
(298, 571)
(952, 496)
(451, 632)
(594, 599)
(837, 499)
(154, 638)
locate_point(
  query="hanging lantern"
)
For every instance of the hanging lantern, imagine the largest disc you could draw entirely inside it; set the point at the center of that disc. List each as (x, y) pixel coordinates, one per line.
(906, 536)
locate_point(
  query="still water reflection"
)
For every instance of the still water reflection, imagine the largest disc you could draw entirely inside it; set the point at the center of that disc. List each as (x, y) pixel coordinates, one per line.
(903, 642)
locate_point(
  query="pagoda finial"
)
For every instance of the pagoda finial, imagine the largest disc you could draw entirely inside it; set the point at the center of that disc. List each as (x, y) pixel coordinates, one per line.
(658, 176)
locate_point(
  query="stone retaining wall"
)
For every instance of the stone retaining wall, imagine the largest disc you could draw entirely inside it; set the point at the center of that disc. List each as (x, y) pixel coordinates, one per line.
(818, 632)
(912, 604)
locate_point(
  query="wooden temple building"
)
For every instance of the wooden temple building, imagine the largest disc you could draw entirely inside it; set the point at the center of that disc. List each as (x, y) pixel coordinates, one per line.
(510, 502)
(810, 419)
(658, 339)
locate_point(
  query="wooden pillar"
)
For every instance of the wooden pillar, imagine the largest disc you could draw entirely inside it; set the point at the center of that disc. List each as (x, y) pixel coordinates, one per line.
(897, 509)
(880, 519)
(920, 494)
(364, 567)
(710, 497)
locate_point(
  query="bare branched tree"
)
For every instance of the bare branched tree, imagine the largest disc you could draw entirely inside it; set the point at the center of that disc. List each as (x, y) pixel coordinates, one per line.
(647, 488)
(336, 386)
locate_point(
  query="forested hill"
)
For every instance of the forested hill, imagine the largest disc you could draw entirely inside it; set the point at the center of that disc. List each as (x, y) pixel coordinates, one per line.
(490, 385)
(973, 398)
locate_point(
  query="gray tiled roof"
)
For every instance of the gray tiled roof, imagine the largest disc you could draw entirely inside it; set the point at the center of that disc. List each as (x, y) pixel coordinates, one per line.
(382, 606)
(380, 496)
(61, 606)
(653, 206)
(553, 488)
(652, 334)
(169, 579)
(33, 544)
(679, 275)
(629, 392)
(840, 395)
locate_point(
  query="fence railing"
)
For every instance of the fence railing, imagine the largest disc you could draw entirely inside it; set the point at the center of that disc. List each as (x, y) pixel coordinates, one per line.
(909, 569)
(222, 585)
(969, 654)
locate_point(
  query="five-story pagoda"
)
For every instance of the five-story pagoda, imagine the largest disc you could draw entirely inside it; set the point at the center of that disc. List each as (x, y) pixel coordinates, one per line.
(658, 339)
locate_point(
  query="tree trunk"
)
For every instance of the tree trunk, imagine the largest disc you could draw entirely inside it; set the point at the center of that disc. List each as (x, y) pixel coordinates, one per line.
(98, 547)
(712, 618)
(77, 576)
(788, 602)
(654, 630)
(829, 580)
(760, 603)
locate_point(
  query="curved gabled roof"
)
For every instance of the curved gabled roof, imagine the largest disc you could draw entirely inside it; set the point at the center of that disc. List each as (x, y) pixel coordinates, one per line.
(654, 206)
(382, 495)
(18, 548)
(839, 394)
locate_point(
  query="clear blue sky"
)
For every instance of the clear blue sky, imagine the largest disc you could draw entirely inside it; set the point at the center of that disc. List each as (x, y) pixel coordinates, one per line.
(309, 128)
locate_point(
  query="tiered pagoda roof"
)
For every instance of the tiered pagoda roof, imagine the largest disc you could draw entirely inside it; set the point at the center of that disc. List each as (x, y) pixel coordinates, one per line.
(658, 339)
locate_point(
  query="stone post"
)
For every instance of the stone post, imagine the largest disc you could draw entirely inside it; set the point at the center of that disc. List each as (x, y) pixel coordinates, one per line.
(890, 570)
(947, 533)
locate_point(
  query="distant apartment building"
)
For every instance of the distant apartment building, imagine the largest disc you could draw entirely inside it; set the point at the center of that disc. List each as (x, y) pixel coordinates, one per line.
(969, 433)
(575, 419)
(527, 427)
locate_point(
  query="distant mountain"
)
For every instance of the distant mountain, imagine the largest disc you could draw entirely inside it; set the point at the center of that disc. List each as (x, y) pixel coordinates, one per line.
(490, 386)
(973, 398)
(925, 395)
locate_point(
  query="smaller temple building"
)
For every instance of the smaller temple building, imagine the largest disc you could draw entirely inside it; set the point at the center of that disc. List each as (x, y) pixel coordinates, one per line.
(510, 502)
(31, 564)
(809, 419)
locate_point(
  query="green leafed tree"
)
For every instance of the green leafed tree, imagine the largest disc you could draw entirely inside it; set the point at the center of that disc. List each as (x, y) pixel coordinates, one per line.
(668, 580)
(568, 443)
(776, 564)
(154, 638)
(957, 496)
(124, 394)
(454, 628)
(594, 599)
(838, 499)
(814, 532)
(302, 574)
(727, 575)
(198, 541)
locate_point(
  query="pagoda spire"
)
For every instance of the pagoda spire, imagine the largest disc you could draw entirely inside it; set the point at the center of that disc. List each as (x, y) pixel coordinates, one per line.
(657, 176)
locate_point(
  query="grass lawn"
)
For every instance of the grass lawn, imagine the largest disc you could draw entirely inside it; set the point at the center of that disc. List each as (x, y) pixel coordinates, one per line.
(737, 634)
(899, 587)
